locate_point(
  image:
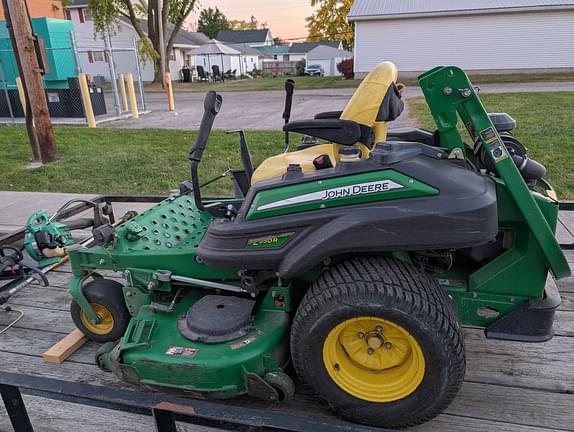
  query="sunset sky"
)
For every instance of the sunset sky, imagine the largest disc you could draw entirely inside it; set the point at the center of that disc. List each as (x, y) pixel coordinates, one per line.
(285, 18)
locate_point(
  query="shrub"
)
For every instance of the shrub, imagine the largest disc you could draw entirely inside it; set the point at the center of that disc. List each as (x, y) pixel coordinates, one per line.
(346, 67)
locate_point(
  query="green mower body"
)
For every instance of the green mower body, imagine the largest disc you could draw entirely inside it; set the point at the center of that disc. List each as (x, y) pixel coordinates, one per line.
(212, 292)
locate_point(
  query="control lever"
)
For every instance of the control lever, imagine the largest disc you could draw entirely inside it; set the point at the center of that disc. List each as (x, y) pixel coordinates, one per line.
(289, 89)
(211, 105)
(244, 150)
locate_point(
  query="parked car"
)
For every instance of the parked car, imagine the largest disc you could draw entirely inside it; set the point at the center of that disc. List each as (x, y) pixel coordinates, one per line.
(314, 70)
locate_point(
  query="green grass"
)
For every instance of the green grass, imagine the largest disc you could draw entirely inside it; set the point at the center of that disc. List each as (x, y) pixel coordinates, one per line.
(313, 83)
(545, 126)
(144, 161)
(301, 83)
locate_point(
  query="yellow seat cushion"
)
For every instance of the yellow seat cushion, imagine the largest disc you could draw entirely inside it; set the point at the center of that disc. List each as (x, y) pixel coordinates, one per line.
(362, 108)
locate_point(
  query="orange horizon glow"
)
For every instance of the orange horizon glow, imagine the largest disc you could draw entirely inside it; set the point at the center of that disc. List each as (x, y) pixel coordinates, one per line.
(285, 18)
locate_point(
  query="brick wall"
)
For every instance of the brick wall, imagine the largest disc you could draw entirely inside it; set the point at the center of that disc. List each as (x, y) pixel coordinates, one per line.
(42, 8)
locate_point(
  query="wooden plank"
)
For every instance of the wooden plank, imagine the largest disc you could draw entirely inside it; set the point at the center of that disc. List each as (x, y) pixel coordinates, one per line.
(35, 342)
(67, 346)
(56, 321)
(57, 299)
(514, 405)
(546, 366)
(566, 285)
(567, 301)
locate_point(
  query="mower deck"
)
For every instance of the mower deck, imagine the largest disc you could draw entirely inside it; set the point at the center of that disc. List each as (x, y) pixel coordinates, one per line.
(500, 373)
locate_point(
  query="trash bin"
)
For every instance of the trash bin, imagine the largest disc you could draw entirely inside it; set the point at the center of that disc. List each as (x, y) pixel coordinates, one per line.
(186, 72)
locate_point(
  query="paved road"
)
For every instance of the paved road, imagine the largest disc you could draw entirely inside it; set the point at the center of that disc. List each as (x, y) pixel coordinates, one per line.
(263, 109)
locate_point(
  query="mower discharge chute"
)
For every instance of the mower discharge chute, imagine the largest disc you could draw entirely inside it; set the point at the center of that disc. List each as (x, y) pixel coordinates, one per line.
(356, 258)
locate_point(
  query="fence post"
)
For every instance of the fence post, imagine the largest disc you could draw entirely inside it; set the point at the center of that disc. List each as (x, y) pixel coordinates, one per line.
(140, 77)
(76, 53)
(169, 91)
(87, 101)
(133, 100)
(123, 94)
(110, 54)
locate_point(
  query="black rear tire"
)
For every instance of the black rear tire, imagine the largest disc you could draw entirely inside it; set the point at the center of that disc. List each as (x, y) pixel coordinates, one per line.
(106, 294)
(401, 294)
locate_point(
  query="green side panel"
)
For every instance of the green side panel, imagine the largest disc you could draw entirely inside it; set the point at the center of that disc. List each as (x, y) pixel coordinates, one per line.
(383, 185)
(153, 351)
(164, 237)
(450, 95)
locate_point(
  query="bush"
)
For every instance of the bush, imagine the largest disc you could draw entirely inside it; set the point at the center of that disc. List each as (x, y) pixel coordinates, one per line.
(300, 67)
(346, 67)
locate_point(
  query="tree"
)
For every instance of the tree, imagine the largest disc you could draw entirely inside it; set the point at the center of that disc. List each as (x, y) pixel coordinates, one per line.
(329, 22)
(212, 21)
(252, 24)
(106, 13)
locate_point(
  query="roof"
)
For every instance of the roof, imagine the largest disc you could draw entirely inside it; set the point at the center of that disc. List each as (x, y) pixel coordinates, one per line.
(183, 37)
(242, 36)
(214, 47)
(386, 9)
(244, 48)
(271, 50)
(305, 47)
(324, 52)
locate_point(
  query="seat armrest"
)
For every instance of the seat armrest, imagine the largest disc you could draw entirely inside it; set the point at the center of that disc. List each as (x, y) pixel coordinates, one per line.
(345, 132)
(329, 115)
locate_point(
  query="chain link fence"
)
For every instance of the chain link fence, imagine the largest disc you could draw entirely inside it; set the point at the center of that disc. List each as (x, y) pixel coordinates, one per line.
(109, 68)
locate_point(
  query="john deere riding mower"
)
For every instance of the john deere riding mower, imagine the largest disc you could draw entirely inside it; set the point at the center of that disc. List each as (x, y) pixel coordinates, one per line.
(349, 264)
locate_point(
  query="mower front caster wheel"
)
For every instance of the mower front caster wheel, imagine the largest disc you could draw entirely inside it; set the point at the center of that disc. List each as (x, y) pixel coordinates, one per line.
(107, 300)
(282, 384)
(379, 340)
(102, 351)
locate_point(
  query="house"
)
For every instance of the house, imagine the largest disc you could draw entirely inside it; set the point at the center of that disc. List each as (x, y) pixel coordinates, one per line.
(94, 60)
(42, 8)
(328, 58)
(254, 38)
(274, 60)
(250, 57)
(298, 51)
(479, 36)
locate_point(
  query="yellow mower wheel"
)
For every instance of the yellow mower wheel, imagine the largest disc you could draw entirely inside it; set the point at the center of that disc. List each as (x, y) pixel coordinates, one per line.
(107, 299)
(374, 359)
(379, 340)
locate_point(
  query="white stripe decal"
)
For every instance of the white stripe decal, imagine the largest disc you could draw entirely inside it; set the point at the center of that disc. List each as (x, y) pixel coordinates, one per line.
(335, 193)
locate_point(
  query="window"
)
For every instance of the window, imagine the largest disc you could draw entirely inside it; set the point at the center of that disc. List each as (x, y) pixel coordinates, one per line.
(81, 15)
(68, 15)
(172, 55)
(97, 56)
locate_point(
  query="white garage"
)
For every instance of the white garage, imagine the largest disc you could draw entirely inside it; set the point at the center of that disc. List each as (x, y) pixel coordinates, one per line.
(477, 35)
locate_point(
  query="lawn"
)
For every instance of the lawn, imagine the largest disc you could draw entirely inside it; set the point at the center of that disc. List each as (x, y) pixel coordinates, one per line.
(125, 160)
(268, 83)
(313, 83)
(545, 125)
(155, 160)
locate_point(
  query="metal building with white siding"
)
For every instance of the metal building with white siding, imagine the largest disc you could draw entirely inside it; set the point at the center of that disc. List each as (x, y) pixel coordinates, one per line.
(477, 35)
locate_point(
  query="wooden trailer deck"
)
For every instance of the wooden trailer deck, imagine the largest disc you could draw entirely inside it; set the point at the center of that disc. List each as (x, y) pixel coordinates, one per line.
(509, 386)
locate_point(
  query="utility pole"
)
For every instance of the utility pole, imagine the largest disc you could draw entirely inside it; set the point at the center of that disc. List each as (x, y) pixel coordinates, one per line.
(24, 45)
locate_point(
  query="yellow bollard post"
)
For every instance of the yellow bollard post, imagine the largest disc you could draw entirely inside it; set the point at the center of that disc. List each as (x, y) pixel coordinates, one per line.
(132, 93)
(169, 92)
(87, 101)
(21, 94)
(122, 83)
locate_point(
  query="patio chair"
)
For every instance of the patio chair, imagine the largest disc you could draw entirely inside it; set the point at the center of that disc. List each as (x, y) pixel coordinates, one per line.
(201, 74)
(231, 74)
(217, 75)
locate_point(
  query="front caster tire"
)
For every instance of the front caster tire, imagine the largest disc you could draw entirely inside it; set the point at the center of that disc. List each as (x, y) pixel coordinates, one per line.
(379, 340)
(107, 299)
(282, 384)
(103, 351)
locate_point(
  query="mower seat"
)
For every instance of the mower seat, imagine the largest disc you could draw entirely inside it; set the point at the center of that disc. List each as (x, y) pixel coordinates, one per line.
(375, 103)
